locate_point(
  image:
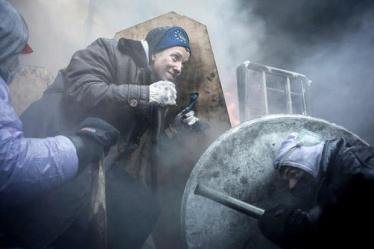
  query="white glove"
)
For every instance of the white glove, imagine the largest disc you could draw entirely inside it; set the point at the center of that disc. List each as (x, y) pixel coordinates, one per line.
(162, 93)
(189, 118)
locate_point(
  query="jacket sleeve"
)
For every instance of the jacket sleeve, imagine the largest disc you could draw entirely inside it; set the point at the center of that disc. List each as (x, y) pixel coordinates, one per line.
(30, 166)
(345, 195)
(90, 82)
(345, 167)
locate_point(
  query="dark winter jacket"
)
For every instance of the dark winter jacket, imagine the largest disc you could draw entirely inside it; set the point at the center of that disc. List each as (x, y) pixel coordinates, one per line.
(346, 187)
(109, 80)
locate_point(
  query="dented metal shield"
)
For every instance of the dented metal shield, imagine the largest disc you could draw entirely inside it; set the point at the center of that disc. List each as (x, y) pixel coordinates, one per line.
(239, 164)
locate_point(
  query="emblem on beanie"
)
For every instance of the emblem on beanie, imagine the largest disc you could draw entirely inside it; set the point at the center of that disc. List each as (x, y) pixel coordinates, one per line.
(179, 36)
(175, 36)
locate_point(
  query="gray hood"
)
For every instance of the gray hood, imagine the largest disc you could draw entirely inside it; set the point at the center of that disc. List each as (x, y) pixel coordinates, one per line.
(306, 158)
(13, 35)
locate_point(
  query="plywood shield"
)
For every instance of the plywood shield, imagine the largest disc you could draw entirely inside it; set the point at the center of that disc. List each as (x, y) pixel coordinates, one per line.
(239, 164)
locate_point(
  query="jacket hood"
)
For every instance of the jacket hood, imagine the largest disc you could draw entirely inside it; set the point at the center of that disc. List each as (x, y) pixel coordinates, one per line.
(306, 158)
(13, 34)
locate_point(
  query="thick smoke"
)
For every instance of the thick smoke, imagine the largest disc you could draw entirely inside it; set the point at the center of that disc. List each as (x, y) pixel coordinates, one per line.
(58, 28)
(329, 41)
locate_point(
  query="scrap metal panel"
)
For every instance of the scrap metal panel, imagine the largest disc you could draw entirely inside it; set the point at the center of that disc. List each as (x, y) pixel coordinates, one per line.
(264, 90)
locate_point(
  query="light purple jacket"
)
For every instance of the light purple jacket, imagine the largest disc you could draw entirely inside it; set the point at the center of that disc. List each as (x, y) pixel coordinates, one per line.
(29, 166)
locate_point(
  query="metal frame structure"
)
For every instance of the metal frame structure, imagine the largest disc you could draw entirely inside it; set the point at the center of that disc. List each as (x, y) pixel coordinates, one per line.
(264, 90)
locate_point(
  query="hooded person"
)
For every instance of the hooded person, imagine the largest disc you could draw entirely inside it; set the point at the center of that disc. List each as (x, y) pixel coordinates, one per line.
(302, 163)
(338, 179)
(129, 84)
(14, 37)
(33, 166)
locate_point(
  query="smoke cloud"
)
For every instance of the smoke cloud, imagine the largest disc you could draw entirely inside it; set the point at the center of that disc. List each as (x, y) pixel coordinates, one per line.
(328, 41)
(331, 43)
(60, 27)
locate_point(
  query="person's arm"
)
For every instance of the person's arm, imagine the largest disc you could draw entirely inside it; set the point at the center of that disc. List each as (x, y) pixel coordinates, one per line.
(90, 82)
(290, 227)
(349, 181)
(30, 166)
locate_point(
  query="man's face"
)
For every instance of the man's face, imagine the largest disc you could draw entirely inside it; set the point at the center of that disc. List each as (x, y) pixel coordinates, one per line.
(168, 63)
(292, 175)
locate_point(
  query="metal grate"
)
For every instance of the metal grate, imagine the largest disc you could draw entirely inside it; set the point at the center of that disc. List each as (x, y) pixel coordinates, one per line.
(264, 90)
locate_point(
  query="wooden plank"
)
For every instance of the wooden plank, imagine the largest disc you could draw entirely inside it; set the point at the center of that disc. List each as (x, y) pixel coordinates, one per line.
(97, 216)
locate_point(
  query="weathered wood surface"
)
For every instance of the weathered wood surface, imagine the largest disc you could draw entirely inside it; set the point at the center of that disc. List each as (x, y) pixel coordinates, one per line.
(28, 86)
(97, 216)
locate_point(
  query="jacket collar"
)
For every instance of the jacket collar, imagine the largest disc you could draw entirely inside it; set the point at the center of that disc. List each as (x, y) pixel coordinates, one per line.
(146, 48)
(135, 50)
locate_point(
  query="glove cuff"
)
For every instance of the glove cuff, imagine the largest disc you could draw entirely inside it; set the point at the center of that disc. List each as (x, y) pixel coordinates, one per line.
(99, 131)
(84, 154)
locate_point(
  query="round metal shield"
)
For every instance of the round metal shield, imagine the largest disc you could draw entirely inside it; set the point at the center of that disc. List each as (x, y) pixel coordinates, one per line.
(239, 164)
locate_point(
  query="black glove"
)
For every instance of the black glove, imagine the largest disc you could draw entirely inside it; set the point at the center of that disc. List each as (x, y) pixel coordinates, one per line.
(185, 121)
(94, 137)
(286, 226)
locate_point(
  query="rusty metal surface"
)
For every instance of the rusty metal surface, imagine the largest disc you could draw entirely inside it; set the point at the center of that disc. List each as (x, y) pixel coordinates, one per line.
(239, 164)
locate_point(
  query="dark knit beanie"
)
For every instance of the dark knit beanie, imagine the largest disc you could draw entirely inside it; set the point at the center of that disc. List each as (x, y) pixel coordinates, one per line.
(175, 36)
(165, 37)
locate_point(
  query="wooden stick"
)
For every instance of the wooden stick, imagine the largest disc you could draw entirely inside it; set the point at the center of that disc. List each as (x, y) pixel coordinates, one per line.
(97, 217)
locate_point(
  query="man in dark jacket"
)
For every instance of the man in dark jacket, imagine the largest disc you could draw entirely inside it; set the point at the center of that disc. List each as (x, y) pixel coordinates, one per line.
(341, 179)
(128, 83)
